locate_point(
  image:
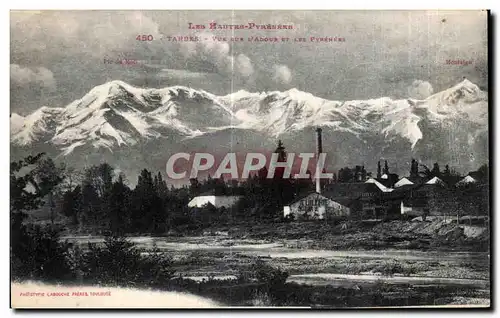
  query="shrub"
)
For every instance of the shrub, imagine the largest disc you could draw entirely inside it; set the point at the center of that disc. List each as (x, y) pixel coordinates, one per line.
(389, 268)
(120, 262)
(271, 283)
(267, 274)
(37, 253)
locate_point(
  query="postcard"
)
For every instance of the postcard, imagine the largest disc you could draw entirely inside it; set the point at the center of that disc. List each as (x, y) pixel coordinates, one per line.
(250, 159)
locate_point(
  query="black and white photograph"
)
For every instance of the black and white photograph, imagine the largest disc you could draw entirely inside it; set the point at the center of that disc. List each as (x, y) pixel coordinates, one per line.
(315, 159)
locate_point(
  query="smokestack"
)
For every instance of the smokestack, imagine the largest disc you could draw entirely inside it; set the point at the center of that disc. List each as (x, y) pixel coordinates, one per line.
(319, 150)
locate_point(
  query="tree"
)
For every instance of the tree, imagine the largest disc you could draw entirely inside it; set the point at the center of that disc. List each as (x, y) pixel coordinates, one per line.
(90, 205)
(71, 178)
(161, 186)
(379, 173)
(345, 175)
(118, 208)
(35, 252)
(334, 178)
(48, 176)
(72, 204)
(280, 150)
(386, 168)
(148, 213)
(447, 171)
(435, 172)
(100, 178)
(485, 173)
(414, 169)
(426, 173)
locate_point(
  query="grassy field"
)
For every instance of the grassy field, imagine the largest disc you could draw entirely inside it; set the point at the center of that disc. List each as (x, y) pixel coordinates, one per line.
(329, 266)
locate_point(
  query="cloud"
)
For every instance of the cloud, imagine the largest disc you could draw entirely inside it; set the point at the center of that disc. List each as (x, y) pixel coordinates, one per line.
(420, 89)
(282, 74)
(92, 34)
(24, 76)
(210, 54)
(244, 65)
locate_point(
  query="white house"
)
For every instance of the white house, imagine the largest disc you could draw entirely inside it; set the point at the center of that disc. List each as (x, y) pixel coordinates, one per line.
(218, 201)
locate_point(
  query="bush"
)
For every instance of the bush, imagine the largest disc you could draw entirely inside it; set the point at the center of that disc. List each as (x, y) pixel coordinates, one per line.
(267, 274)
(389, 268)
(120, 262)
(271, 283)
(37, 253)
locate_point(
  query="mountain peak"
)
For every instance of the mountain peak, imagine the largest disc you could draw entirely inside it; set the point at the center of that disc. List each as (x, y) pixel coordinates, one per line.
(117, 82)
(466, 84)
(116, 113)
(299, 95)
(113, 85)
(293, 90)
(242, 93)
(465, 91)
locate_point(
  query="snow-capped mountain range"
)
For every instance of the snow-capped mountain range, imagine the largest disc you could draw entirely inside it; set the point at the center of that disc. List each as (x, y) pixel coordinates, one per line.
(116, 116)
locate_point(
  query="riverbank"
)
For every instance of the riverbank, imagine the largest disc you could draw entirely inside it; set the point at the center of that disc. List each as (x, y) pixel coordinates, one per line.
(216, 265)
(396, 263)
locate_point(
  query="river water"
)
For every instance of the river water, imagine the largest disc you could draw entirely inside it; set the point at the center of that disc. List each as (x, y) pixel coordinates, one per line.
(280, 249)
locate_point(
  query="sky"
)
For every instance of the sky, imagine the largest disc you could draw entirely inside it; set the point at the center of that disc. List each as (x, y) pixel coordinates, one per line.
(58, 56)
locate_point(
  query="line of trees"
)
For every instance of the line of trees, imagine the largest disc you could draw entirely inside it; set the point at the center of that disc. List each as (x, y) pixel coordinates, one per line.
(99, 199)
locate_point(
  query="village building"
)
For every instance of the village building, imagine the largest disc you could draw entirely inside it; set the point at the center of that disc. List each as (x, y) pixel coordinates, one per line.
(467, 180)
(315, 206)
(436, 181)
(388, 179)
(403, 182)
(218, 201)
(417, 199)
(365, 199)
(381, 186)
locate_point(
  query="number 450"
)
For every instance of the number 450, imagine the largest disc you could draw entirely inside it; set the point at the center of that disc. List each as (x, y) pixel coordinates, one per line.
(144, 37)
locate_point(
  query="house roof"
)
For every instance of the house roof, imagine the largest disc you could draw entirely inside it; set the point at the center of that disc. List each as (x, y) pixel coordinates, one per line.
(382, 187)
(215, 200)
(302, 195)
(401, 193)
(435, 180)
(476, 175)
(402, 182)
(466, 180)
